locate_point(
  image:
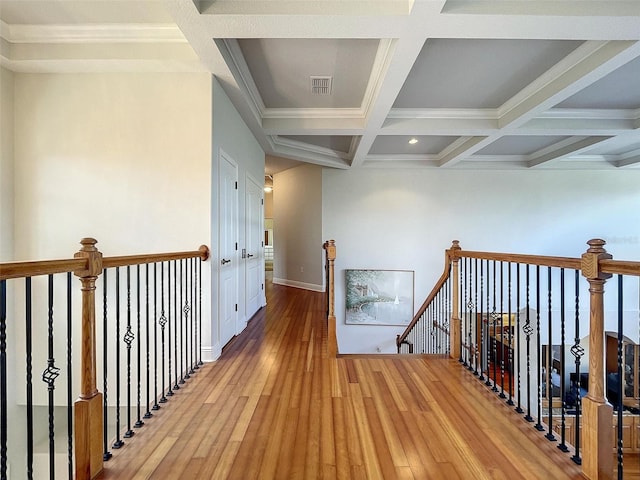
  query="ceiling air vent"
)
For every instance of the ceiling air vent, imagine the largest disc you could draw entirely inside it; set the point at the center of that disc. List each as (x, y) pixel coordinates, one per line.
(320, 85)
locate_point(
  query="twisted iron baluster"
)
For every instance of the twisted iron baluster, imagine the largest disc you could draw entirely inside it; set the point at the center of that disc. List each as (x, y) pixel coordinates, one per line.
(502, 346)
(618, 405)
(155, 340)
(185, 310)
(510, 337)
(549, 436)
(29, 351)
(577, 351)
(170, 390)
(129, 337)
(148, 413)
(528, 331)
(519, 407)
(106, 454)
(139, 423)
(162, 321)
(538, 425)
(119, 442)
(69, 383)
(480, 324)
(494, 318)
(563, 425)
(49, 376)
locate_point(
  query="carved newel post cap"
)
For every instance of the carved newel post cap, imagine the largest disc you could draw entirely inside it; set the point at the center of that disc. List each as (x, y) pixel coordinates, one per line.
(590, 264)
(88, 244)
(596, 245)
(455, 245)
(204, 253)
(93, 256)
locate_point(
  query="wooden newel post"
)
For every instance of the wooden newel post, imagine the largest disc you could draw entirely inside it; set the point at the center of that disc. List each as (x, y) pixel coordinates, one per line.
(332, 340)
(454, 326)
(88, 408)
(597, 413)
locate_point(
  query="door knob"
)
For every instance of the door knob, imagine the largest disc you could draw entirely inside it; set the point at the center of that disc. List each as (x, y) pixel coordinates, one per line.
(225, 261)
(249, 255)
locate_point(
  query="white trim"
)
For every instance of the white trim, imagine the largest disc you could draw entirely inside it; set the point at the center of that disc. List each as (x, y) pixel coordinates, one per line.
(103, 33)
(211, 354)
(293, 283)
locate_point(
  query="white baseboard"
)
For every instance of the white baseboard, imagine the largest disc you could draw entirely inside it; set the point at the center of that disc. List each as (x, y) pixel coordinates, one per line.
(211, 354)
(292, 283)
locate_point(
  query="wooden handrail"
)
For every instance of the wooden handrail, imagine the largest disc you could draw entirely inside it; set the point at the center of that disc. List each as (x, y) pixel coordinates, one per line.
(10, 270)
(88, 264)
(542, 260)
(449, 255)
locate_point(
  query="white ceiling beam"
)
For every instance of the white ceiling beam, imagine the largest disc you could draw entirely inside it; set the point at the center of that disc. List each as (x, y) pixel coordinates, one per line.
(301, 7)
(313, 126)
(629, 159)
(563, 149)
(587, 64)
(465, 148)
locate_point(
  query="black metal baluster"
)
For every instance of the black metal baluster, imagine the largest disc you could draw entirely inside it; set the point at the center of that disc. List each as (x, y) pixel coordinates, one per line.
(528, 331)
(49, 376)
(480, 324)
(139, 423)
(69, 382)
(29, 351)
(474, 321)
(3, 379)
(196, 314)
(502, 346)
(106, 455)
(128, 339)
(538, 425)
(549, 436)
(620, 389)
(200, 313)
(461, 308)
(148, 413)
(193, 314)
(494, 341)
(185, 309)
(469, 308)
(119, 442)
(577, 351)
(563, 424)
(486, 325)
(518, 365)
(176, 320)
(170, 389)
(163, 322)
(510, 336)
(448, 317)
(155, 340)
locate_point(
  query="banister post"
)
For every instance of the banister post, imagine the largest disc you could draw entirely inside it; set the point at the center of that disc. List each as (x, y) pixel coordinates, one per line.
(454, 326)
(88, 408)
(597, 413)
(332, 340)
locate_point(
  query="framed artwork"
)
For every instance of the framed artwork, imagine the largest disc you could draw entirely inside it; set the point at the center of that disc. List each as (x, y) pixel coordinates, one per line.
(379, 297)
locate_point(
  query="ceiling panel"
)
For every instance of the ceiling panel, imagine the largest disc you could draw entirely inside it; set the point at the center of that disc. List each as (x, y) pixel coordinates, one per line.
(399, 144)
(519, 145)
(458, 73)
(282, 68)
(619, 89)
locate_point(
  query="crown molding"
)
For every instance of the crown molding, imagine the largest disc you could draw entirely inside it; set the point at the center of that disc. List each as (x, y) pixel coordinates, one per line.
(440, 113)
(379, 69)
(307, 147)
(102, 33)
(591, 113)
(312, 113)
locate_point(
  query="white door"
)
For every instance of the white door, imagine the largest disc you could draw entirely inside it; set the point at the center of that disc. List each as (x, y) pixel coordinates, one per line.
(228, 268)
(254, 236)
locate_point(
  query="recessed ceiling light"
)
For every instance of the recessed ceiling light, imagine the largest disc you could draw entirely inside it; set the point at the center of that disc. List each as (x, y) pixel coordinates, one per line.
(413, 141)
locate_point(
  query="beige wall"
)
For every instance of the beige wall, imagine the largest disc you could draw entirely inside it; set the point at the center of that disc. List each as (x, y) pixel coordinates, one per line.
(124, 158)
(6, 165)
(297, 217)
(268, 204)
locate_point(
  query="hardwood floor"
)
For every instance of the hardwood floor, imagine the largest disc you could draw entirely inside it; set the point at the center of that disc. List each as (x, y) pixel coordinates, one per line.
(274, 407)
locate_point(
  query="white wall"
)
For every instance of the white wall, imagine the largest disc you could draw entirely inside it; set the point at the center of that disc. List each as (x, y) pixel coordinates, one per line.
(6, 165)
(297, 229)
(232, 135)
(405, 219)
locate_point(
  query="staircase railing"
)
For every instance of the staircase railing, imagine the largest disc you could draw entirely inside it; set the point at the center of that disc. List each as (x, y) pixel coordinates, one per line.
(519, 324)
(332, 341)
(147, 343)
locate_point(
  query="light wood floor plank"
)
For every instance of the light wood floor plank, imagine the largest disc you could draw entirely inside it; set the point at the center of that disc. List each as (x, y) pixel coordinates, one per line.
(275, 407)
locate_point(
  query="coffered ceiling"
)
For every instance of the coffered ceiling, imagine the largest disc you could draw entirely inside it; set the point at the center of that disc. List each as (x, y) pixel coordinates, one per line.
(522, 84)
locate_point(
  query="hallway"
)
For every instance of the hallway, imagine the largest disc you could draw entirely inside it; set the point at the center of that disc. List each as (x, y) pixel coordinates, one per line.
(273, 407)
